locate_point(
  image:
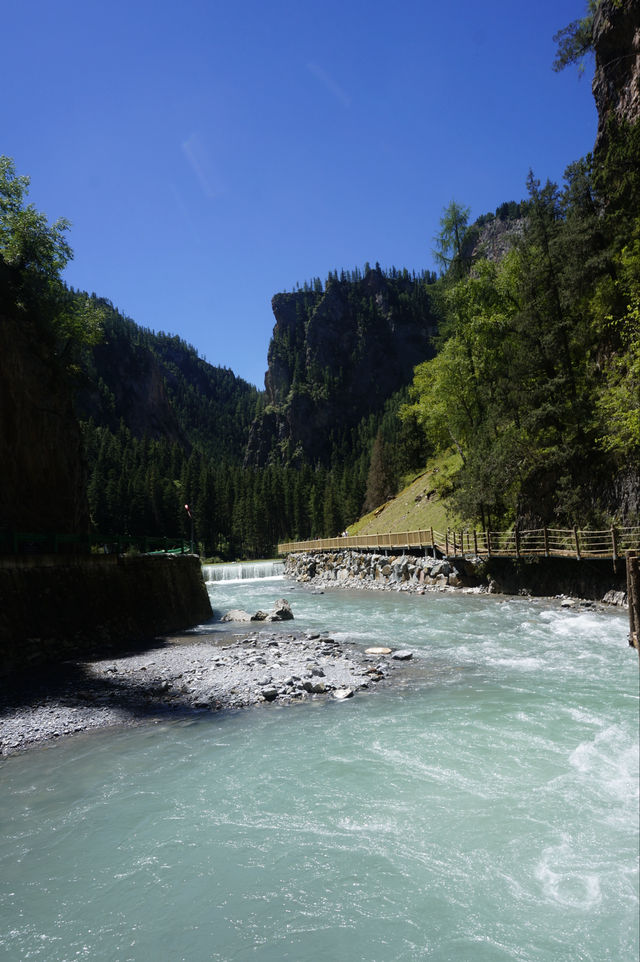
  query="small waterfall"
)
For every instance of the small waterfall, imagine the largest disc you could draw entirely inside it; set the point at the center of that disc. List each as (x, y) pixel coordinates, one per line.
(243, 571)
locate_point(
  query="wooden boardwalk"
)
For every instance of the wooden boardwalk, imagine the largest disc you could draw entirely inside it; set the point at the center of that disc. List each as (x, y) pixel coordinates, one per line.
(611, 543)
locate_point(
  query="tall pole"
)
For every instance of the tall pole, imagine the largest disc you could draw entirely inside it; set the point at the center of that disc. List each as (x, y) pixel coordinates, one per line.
(188, 510)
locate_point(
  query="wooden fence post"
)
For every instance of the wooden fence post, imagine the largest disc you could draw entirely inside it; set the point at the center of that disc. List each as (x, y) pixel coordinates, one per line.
(546, 542)
(475, 542)
(517, 534)
(487, 535)
(575, 537)
(433, 544)
(446, 543)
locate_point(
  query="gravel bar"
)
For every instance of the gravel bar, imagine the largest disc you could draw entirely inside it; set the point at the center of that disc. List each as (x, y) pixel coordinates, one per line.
(178, 675)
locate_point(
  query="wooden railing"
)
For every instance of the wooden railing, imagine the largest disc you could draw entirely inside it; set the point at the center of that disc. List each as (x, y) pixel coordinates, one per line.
(540, 542)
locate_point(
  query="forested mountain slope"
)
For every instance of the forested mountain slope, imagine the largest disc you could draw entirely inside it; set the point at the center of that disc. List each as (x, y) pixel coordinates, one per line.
(337, 354)
(162, 428)
(158, 386)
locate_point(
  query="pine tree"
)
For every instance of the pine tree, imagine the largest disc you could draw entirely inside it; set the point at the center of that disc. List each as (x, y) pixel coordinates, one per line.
(380, 479)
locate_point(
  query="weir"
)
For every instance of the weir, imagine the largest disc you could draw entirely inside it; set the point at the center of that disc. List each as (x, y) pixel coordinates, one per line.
(243, 571)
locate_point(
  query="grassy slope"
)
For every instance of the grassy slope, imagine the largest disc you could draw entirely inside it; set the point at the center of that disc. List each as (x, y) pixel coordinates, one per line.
(417, 507)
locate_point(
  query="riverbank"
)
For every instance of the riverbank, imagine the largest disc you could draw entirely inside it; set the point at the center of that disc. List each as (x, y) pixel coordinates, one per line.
(178, 676)
(595, 580)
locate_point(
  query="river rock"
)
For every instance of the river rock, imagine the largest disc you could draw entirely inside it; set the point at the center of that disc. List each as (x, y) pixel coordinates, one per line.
(378, 651)
(236, 614)
(340, 694)
(281, 611)
(402, 655)
(618, 598)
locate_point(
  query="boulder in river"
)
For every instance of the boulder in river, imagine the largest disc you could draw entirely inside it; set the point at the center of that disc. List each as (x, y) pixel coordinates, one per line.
(236, 614)
(340, 694)
(281, 611)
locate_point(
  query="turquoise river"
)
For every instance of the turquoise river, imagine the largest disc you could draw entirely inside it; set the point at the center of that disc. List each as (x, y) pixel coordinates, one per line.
(482, 808)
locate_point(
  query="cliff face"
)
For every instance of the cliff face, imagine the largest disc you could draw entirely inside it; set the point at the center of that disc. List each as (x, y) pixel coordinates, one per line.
(127, 383)
(43, 485)
(495, 238)
(616, 82)
(161, 389)
(335, 357)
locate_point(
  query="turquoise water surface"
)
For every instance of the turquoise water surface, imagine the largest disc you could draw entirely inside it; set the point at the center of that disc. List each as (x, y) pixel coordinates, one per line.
(485, 807)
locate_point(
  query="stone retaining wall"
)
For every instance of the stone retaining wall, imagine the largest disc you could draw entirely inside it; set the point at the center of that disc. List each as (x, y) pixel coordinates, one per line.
(358, 569)
(52, 608)
(545, 577)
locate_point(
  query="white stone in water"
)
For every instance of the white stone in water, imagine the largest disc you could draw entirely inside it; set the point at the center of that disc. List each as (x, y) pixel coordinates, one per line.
(236, 614)
(403, 655)
(341, 693)
(378, 651)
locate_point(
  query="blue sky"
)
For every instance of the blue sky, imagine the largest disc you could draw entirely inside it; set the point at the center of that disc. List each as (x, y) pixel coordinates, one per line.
(210, 155)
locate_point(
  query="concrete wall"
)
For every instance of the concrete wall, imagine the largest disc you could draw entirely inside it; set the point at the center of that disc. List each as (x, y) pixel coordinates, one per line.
(53, 608)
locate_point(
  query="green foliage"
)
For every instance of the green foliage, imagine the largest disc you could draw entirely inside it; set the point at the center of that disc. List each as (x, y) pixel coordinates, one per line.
(618, 402)
(28, 244)
(139, 486)
(32, 255)
(537, 379)
(575, 41)
(452, 240)
(381, 482)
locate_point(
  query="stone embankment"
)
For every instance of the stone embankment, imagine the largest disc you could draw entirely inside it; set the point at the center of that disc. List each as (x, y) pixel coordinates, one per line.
(354, 569)
(595, 580)
(54, 607)
(181, 677)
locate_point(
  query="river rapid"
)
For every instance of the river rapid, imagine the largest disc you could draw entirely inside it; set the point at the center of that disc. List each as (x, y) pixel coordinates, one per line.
(482, 805)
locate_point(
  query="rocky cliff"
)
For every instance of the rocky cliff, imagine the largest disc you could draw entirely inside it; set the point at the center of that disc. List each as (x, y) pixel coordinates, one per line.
(335, 357)
(129, 385)
(43, 485)
(616, 81)
(161, 389)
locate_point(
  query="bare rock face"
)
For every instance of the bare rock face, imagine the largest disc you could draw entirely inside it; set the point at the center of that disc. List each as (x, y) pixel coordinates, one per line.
(137, 382)
(616, 82)
(496, 238)
(43, 483)
(336, 355)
